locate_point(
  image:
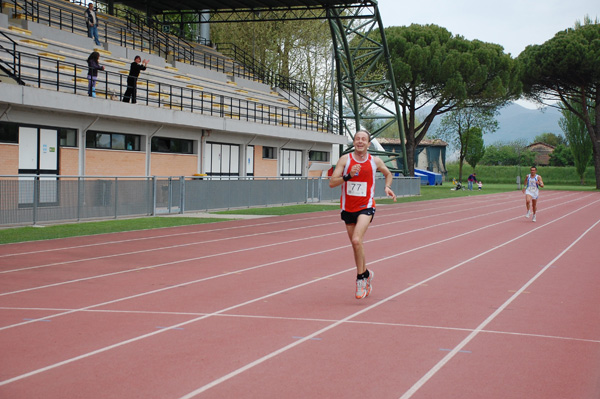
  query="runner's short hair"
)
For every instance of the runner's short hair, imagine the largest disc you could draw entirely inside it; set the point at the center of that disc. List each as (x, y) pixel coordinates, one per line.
(364, 131)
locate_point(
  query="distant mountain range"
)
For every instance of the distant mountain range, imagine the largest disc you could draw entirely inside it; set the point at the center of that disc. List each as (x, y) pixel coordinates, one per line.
(519, 123)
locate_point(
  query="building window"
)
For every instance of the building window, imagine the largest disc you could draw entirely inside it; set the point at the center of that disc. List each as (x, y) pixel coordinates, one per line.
(222, 159)
(67, 137)
(291, 163)
(269, 153)
(318, 156)
(178, 146)
(112, 141)
(9, 132)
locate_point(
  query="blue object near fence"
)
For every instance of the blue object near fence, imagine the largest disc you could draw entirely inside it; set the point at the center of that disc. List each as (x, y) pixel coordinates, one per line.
(429, 178)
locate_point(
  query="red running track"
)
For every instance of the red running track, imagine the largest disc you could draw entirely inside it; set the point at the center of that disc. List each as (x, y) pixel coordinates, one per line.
(470, 300)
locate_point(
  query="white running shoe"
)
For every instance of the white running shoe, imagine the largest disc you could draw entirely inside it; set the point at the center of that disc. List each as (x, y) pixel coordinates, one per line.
(369, 280)
(533, 218)
(361, 288)
(527, 214)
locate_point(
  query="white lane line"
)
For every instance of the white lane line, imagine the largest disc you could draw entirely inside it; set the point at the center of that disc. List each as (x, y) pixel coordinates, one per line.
(423, 380)
(193, 282)
(157, 237)
(196, 243)
(114, 242)
(243, 270)
(325, 329)
(281, 350)
(232, 252)
(251, 268)
(164, 329)
(128, 240)
(304, 319)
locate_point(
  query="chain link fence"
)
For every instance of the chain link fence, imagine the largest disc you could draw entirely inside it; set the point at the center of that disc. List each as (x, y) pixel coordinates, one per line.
(39, 199)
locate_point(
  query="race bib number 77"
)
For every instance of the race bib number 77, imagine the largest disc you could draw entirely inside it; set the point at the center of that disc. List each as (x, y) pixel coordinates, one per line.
(356, 189)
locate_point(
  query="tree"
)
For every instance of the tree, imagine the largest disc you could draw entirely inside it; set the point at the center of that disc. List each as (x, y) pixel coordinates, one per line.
(475, 148)
(433, 67)
(292, 49)
(579, 141)
(562, 156)
(513, 153)
(565, 69)
(550, 138)
(455, 125)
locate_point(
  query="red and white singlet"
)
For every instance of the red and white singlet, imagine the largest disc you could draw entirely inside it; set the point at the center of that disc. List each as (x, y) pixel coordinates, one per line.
(358, 192)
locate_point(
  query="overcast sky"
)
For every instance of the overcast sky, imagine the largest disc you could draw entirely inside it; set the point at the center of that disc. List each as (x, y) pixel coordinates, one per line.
(514, 24)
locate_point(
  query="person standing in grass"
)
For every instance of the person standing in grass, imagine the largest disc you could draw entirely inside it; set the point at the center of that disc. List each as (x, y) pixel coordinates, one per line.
(355, 172)
(533, 182)
(472, 179)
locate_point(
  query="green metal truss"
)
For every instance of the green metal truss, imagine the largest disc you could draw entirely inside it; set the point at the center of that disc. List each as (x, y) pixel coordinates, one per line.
(366, 89)
(364, 75)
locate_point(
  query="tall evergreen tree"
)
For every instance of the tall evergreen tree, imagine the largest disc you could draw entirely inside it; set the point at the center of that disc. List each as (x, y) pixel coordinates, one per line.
(565, 69)
(434, 67)
(455, 126)
(578, 138)
(475, 148)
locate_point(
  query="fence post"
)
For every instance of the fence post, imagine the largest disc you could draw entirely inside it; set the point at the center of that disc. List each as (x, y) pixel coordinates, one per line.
(79, 198)
(181, 194)
(320, 189)
(36, 196)
(169, 194)
(116, 196)
(153, 195)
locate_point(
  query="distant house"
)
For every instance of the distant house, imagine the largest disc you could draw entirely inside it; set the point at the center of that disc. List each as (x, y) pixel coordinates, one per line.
(429, 155)
(542, 152)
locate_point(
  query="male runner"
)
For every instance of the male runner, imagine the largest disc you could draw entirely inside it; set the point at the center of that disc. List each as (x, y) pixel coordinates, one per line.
(533, 182)
(356, 173)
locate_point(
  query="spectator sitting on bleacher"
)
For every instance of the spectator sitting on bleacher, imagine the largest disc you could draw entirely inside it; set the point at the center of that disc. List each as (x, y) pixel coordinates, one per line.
(134, 72)
(93, 68)
(91, 20)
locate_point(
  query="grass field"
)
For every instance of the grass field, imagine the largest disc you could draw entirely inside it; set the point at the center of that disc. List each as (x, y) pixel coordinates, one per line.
(30, 233)
(508, 174)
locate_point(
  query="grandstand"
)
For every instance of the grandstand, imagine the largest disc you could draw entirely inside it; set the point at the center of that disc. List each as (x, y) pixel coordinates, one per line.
(199, 111)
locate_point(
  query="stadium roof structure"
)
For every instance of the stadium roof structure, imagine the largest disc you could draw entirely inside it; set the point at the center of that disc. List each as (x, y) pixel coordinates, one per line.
(160, 6)
(359, 45)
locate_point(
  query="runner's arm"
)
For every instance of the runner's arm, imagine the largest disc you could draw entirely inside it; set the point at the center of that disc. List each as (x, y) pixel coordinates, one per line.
(336, 178)
(389, 178)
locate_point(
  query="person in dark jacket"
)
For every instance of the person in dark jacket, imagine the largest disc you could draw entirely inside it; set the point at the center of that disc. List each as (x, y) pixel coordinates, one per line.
(472, 179)
(91, 21)
(93, 68)
(134, 72)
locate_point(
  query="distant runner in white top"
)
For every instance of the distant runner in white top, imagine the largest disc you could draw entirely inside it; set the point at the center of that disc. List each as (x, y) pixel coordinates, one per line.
(533, 182)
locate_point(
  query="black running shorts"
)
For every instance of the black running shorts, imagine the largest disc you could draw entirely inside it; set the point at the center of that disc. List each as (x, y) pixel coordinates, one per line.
(352, 217)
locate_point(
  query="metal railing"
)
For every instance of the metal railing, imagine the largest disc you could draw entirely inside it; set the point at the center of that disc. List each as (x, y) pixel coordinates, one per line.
(129, 29)
(50, 73)
(9, 65)
(39, 199)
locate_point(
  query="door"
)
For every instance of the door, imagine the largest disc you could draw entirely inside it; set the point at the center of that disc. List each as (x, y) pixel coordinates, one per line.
(250, 160)
(38, 155)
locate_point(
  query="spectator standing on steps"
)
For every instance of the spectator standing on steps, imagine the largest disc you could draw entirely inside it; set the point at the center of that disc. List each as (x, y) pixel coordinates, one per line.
(134, 72)
(91, 20)
(93, 68)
